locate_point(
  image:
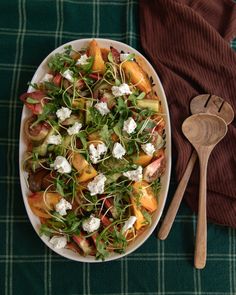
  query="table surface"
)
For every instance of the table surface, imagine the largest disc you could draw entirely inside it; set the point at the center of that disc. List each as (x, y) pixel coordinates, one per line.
(29, 30)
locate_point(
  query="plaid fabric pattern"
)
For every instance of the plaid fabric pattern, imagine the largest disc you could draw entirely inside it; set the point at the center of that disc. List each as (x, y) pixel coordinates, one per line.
(29, 30)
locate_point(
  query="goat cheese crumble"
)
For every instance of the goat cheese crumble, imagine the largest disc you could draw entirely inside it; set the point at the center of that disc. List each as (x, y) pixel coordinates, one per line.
(95, 153)
(62, 206)
(123, 89)
(58, 242)
(74, 129)
(148, 148)
(96, 186)
(54, 139)
(118, 151)
(83, 60)
(102, 108)
(129, 125)
(91, 224)
(62, 165)
(63, 113)
(68, 75)
(134, 175)
(129, 223)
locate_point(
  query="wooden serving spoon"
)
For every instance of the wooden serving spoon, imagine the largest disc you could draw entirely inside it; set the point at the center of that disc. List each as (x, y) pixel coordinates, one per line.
(205, 103)
(204, 131)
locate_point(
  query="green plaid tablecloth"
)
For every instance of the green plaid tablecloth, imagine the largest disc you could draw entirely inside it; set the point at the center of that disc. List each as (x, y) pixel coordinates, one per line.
(29, 30)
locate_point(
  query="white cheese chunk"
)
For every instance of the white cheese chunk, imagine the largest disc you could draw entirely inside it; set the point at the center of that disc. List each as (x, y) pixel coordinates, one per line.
(148, 148)
(102, 108)
(123, 89)
(129, 223)
(91, 224)
(62, 165)
(129, 125)
(95, 153)
(124, 56)
(83, 60)
(62, 206)
(54, 139)
(118, 151)
(47, 78)
(74, 129)
(68, 75)
(134, 175)
(63, 113)
(58, 242)
(97, 185)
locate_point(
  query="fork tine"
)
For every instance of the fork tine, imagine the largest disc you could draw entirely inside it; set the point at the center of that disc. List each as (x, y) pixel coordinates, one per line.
(212, 104)
(206, 103)
(221, 106)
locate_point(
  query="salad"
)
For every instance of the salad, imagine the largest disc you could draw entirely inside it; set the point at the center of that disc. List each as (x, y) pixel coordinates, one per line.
(95, 150)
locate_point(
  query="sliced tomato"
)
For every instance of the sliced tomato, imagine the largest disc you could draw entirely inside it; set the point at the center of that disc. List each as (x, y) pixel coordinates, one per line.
(104, 99)
(57, 79)
(160, 125)
(109, 204)
(115, 55)
(40, 205)
(106, 222)
(155, 169)
(95, 76)
(83, 243)
(37, 95)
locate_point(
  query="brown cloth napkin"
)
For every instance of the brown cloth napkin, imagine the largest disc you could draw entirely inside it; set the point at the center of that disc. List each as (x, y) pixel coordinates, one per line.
(188, 44)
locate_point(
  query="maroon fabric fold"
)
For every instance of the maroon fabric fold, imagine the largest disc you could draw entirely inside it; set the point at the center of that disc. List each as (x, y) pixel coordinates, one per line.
(187, 41)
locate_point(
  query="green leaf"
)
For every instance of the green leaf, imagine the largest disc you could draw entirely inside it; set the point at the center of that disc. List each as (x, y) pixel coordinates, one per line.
(147, 217)
(60, 61)
(59, 187)
(87, 68)
(110, 57)
(156, 186)
(83, 137)
(48, 109)
(52, 87)
(131, 56)
(105, 134)
(117, 129)
(68, 49)
(117, 82)
(34, 85)
(47, 231)
(32, 100)
(141, 95)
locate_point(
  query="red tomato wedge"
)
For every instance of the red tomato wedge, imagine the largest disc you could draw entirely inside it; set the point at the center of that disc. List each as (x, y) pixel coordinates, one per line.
(37, 95)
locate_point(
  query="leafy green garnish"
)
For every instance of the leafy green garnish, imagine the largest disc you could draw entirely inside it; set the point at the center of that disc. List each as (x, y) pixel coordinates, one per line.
(147, 217)
(58, 225)
(110, 57)
(60, 61)
(86, 68)
(156, 186)
(32, 100)
(105, 135)
(48, 110)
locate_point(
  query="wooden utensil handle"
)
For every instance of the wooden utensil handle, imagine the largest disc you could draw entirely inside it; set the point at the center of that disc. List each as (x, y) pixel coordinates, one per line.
(201, 235)
(178, 196)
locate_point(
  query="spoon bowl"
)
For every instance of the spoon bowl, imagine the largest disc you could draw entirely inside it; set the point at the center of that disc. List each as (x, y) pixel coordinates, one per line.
(204, 131)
